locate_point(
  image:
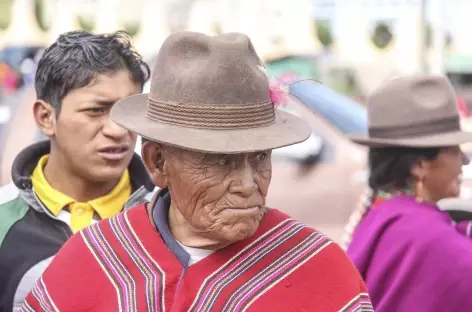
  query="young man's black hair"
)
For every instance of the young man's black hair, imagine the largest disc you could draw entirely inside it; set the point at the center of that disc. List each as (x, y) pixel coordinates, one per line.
(74, 60)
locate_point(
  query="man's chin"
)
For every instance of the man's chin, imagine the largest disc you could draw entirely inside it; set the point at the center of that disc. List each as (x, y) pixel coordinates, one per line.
(106, 173)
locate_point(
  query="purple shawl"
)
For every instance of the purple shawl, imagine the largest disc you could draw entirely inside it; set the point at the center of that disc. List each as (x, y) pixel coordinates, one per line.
(413, 258)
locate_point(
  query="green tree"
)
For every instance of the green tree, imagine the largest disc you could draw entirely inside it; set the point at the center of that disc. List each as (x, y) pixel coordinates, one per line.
(5, 13)
(428, 40)
(382, 35)
(428, 36)
(323, 30)
(86, 23)
(217, 28)
(40, 15)
(132, 28)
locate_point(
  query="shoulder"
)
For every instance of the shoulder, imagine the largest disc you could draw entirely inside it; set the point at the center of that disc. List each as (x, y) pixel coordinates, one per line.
(405, 220)
(423, 230)
(443, 260)
(426, 241)
(337, 264)
(12, 209)
(319, 251)
(77, 253)
(137, 215)
(333, 278)
(445, 248)
(72, 268)
(427, 232)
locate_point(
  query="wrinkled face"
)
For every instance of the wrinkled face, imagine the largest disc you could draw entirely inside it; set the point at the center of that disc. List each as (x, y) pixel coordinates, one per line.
(441, 177)
(221, 196)
(89, 144)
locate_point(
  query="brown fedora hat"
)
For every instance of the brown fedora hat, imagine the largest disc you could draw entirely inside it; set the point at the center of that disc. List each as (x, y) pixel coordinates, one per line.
(209, 94)
(414, 111)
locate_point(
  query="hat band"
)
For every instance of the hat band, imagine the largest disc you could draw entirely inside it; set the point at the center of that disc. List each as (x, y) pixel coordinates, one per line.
(216, 117)
(450, 124)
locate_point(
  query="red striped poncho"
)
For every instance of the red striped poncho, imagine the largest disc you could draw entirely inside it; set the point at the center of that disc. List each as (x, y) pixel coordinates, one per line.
(122, 264)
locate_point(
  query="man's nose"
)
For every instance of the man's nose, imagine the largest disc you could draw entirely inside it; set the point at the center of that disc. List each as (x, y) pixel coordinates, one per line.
(113, 130)
(244, 180)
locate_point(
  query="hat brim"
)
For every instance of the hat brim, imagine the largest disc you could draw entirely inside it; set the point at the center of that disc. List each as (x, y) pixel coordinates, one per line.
(130, 113)
(437, 140)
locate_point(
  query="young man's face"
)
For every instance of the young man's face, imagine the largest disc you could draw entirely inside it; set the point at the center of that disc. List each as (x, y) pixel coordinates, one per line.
(88, 142)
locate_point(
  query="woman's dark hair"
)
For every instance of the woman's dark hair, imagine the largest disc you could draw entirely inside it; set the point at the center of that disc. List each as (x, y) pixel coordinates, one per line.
(390, 168)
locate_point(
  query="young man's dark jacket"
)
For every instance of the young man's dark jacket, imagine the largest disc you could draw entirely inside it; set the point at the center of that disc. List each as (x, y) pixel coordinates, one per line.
(30, 235)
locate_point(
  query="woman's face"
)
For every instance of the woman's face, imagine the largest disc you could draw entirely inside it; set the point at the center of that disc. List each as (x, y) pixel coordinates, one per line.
(222, 197)
(441, 177)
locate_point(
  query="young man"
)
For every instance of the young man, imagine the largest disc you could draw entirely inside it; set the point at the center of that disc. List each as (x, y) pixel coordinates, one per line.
(87, 171)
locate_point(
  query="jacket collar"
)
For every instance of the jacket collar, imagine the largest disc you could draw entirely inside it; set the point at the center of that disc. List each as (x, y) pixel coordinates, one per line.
(28, 158)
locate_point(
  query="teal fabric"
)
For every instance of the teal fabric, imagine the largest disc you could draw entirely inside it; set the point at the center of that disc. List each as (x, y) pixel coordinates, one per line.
(10, 213)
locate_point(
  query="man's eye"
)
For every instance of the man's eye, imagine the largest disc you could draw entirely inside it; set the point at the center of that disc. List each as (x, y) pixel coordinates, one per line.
(262, 156)
(224, 161)
(96, 110)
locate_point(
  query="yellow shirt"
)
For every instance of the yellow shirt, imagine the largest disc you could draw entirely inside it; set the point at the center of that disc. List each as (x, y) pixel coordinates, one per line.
(81, 213)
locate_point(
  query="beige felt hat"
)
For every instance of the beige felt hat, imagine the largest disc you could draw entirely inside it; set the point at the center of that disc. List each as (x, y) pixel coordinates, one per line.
(210, 94)
(414, 111)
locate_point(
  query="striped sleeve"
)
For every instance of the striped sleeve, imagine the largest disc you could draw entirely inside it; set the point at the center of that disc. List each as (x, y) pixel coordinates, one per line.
(69, 271)
(360, 303)
(39, 299)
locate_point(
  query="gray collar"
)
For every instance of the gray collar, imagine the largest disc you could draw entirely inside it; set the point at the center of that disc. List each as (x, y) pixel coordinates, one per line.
(160, 216)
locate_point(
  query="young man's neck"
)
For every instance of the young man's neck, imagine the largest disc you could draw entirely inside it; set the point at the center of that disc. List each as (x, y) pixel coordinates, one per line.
(72, 185)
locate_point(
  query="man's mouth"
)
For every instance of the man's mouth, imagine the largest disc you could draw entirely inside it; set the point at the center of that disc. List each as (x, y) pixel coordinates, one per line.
(114, 152)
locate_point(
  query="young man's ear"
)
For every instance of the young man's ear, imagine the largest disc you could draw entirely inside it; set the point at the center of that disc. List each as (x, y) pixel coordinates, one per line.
(45, 117)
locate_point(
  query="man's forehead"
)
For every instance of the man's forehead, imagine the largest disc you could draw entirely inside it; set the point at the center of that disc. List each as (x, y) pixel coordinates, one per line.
(110, 88)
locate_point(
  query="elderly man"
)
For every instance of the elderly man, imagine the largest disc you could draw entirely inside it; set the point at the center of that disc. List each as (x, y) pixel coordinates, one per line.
(207, 242)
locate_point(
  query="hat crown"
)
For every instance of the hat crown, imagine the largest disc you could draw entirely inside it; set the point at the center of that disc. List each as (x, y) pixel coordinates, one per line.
(194, 68)
(212, 95)
(410, 103)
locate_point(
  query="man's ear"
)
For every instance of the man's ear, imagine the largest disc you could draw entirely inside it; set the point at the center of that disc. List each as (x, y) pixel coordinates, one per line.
(154, 160)
(45, 117)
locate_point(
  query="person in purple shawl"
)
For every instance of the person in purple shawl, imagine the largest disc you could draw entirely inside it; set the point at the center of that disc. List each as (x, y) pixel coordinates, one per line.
(409, 252)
